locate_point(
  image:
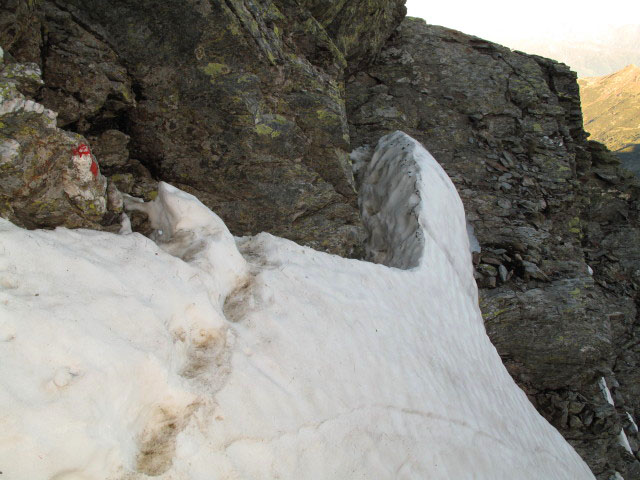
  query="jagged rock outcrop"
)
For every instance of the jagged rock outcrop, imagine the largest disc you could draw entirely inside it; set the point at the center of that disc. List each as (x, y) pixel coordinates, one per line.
(48, 176)
(508, 129)
(358, 40)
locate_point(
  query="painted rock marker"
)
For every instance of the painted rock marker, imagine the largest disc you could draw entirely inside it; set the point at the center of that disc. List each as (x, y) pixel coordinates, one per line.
(82, 150)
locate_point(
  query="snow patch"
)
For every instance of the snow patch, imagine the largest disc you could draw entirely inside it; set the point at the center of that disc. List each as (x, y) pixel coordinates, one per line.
(199, 357)
(624, 441)
(474, 244)
(185, 228)
(360, 157)
(114, 344)
(407, 201)
(634, 426)
(602, 383)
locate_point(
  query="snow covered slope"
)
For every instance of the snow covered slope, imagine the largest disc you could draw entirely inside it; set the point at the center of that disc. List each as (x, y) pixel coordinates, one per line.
(189, 359)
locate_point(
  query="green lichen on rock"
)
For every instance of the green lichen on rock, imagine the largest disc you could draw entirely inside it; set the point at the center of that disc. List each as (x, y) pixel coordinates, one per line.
(575, 226)
(263, 129)
(233, 89)
(215, 70)
(328, 117)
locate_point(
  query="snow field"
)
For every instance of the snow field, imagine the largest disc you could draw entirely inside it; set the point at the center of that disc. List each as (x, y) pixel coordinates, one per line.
(200, 357)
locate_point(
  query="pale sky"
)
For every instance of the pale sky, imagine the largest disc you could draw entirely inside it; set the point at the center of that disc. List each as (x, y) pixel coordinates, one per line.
(501, 20)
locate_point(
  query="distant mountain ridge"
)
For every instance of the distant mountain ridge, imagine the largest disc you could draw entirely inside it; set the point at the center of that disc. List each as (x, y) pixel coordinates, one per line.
(611, 109)
(589, 57)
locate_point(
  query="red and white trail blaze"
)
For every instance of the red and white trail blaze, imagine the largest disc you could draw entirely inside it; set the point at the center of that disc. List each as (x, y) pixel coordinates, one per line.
(82, 150)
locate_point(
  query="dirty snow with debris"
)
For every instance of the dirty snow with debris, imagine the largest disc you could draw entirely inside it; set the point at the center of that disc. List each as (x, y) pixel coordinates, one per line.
(199, 356)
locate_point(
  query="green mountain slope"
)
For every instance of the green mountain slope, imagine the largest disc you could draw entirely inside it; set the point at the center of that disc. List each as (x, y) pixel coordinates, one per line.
(611, 109)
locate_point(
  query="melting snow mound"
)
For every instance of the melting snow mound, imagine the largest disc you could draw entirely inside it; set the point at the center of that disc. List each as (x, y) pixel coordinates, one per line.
(200, 357)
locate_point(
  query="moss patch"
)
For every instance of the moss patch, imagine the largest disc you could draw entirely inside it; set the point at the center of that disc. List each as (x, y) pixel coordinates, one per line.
(215, 70)
(574, 226)
(266, 130)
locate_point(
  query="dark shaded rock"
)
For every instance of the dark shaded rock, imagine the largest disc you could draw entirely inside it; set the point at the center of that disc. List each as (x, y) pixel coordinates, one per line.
(111, 148)
(240, 102)
(590, 430)
(550, 337)
(601, 155)
(359, 41)
(84, 80)
(17, 17)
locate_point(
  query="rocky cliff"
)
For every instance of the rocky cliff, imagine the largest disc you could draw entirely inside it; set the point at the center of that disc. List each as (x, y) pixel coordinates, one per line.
(555, 218)
(253, 105)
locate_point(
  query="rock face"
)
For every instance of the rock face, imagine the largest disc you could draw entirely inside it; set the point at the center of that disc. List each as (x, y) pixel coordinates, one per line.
(48, 176)
(358, 40)
(546, 211)
(240, 102)
(84, 80)
(18, 21)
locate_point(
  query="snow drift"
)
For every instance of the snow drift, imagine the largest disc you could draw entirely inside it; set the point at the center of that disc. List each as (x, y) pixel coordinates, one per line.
(200, 357)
